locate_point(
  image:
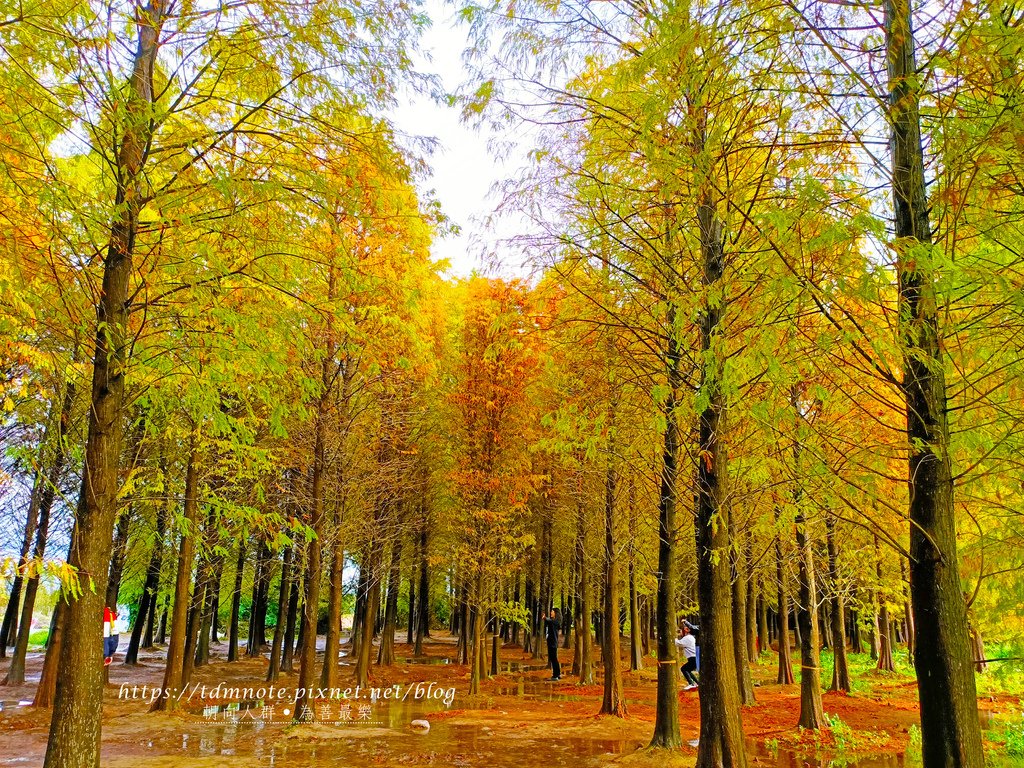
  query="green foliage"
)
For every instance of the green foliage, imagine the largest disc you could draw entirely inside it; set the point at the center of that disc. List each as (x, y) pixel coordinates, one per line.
(849, 740)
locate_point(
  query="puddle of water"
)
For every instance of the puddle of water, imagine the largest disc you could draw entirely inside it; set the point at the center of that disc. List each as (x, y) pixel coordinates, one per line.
(387, 739)
(428, 660)
(533, 690)
(507, 667)
(789, 758)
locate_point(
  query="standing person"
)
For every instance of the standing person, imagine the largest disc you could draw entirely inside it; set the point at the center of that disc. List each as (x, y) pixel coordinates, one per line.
(110, 636)
(551, 628)
(688, 643)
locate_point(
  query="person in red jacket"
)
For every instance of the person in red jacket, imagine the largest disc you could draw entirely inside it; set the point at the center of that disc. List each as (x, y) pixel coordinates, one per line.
(110, 636)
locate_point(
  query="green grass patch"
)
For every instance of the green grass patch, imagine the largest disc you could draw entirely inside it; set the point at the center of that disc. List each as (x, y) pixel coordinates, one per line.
(38, 637)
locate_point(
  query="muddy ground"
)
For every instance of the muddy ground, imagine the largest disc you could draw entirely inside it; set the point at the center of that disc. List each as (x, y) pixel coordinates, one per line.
(519, 719)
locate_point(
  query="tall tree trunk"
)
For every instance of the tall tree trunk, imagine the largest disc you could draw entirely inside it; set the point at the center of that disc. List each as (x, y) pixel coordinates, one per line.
(386, 652)
(908, 616)
(260, 599)
(193, 620)
(666, 716)
(411, 626)
(477, 655)
(162, 634)
(9, 629)
(583, 628)
(873, 639)
(750, 599)
(528, 629)
(147, 603)
(288, 653)
(117, 557)
(368, 616)
(950, 729)
(51, 664)
(362, 588)
(763, 632)
(785, 676)
(423, 625)
(721, 729)
(612, 702)
(744, 680)
(332, 648)
(840, 667)
(16, 672)
(174, 668)
(636, 652)
(811, 713)
(314, 549)
(277, 645)
(74, 740)
(208, 615)
(885, 660)
(236, 598)
(197, 633)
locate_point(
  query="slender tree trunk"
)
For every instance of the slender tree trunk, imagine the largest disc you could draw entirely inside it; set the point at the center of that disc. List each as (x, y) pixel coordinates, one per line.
(162, 633)
(750, 599)
(763, 633)
(277, 645)
(16, 672)
(236, 598)
(811, 713)
(885, 660)
(147, 603)
(721, 729)
(495, 649)
(666, 718)
(9, 629)
(636, 652)
(368, 616)
(744, 681)
(950, 729)
(174, 668)
(261, 598)
(840, 668)
(423, 626)
(74, 740)
(612, 702)
(332, 648)
(785, 676)
(288, 653)
(192, 622)
(314, 548)
(908, 616)
(873, 638)
(386, 652)
(117, 556)
(856, 640)
(411, 627)
(586, 634)
(208, 623)
(51, 664)
(478, 656)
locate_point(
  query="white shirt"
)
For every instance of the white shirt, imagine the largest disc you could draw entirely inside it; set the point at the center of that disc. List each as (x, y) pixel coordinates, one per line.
(689, 645)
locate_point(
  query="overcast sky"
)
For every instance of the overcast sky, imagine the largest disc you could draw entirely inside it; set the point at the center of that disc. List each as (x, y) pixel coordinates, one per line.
(463, 170)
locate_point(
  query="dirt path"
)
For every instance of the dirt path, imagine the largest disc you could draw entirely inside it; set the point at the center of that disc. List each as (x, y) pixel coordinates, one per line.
(519, 719)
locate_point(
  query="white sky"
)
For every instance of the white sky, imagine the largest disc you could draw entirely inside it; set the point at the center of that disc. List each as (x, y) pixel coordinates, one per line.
(463, 170)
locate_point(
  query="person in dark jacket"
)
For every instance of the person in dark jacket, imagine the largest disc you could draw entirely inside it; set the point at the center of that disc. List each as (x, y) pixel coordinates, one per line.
(552, 625)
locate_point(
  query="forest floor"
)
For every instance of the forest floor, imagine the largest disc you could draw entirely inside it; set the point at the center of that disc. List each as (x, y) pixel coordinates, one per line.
(519, 718)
